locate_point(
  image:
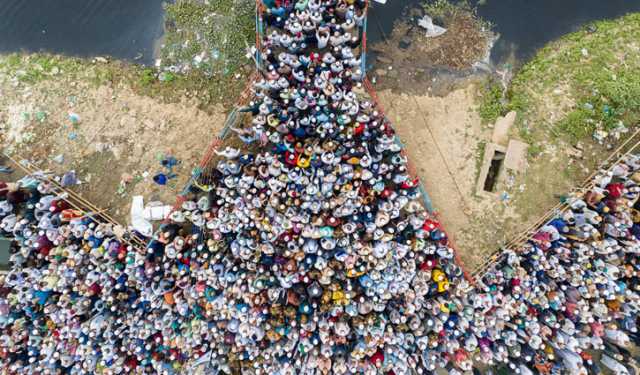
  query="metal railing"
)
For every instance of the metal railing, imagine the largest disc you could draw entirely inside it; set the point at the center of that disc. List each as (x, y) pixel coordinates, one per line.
(76, 200)
(626, 148)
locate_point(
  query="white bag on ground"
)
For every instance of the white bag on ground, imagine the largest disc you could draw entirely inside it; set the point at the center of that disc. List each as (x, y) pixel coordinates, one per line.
(138, 222)
(156, 211)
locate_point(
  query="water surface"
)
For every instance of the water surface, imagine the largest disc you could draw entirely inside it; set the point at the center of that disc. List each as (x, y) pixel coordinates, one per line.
(124, 29)
(129, 29)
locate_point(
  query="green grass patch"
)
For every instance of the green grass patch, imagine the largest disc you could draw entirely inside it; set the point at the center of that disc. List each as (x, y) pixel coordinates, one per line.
(577, 88)
(38, 67)
(590, 77)
(205, 46)
(147, 76)
(492, 102)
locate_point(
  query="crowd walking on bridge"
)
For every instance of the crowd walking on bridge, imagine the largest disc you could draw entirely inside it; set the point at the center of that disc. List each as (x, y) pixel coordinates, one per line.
(309, 251)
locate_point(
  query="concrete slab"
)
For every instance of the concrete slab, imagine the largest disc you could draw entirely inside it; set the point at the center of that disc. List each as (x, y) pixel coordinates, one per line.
(501, 128)
(489, 152)
(516, 157)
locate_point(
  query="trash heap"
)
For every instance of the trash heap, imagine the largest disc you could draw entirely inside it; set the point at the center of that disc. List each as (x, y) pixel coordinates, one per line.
(312, 253)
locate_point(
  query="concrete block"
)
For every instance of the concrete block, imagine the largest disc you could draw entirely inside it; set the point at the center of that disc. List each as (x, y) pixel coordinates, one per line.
(501, 128)
(516, 156)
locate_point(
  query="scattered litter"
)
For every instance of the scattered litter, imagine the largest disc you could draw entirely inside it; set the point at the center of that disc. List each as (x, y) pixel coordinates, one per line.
(73, 136)
(574, 153)
(169, 162)
(126, 178)
(160, 179)
(426, 22)
(69, 179)
(74, 118)
(619, 130)
(165, 77)
(584, 52)
(600, 136)
(41, 116)
(122, 189)
(58, 159)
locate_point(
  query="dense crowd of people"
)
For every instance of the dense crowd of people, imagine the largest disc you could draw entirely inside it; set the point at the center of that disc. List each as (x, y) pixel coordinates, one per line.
(309, 252)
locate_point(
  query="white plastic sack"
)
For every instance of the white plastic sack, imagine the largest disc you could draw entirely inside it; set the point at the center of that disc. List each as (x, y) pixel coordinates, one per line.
(426, 22)
(156, 211)
(138, 222)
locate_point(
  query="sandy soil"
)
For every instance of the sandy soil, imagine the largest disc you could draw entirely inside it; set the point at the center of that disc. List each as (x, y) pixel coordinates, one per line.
(117, 144)
(429, 88)
(442, 136)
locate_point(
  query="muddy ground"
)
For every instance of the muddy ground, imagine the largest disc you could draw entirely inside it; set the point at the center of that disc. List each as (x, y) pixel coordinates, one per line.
(112, 137)
(408, 61)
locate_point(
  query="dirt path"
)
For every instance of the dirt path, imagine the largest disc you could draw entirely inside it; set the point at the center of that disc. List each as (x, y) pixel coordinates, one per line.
(118, 137)
(477, 225)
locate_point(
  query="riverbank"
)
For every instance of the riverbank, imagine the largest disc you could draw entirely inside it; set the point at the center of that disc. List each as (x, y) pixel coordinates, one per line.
(204, 48)
(575, 101)
(408, 61)
(448, 133)
(102, 120)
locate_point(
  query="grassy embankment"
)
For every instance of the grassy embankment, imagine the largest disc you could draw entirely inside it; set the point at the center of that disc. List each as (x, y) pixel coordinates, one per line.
(202, 57)
(206, 41)
(592, 73)
(584, 84)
